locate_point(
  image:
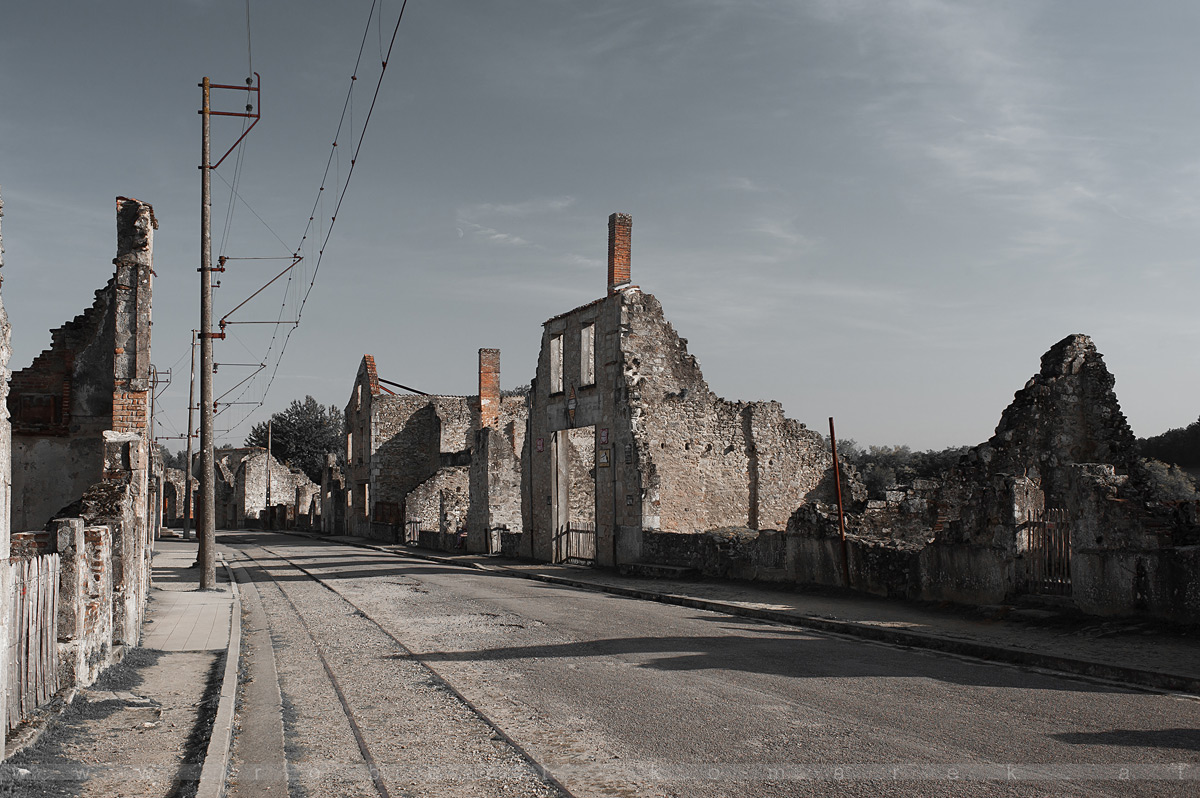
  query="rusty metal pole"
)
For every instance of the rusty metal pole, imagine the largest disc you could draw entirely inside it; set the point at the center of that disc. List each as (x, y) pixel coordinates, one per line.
(270, 516)
(837, 478)
(207, 528)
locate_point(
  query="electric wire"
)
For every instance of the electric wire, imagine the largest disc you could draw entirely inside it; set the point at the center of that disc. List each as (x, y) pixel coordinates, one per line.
(342, 187)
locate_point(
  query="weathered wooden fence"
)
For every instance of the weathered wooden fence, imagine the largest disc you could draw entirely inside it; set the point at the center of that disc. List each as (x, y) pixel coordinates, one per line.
(33, 635)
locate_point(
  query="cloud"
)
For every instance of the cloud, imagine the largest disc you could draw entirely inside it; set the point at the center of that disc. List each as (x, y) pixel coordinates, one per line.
(534, 207)
(784, 232)
(966, 88)
(492, 235)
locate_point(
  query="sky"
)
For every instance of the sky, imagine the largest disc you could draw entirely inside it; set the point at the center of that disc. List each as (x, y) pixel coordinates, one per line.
(883, 212)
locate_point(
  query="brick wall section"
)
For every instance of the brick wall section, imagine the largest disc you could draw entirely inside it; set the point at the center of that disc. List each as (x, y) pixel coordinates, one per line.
(489, 387)
(131, 411)
(620, 230)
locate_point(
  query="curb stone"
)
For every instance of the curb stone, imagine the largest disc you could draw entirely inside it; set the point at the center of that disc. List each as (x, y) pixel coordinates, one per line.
(1073, 666)
(216, 757)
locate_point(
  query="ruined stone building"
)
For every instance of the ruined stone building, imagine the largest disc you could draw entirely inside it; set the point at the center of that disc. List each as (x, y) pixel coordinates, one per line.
(333, 497)
(175, 498)
(1057, 502)
(242, 488)
(419, 460)
(627, 441)
(79, 459)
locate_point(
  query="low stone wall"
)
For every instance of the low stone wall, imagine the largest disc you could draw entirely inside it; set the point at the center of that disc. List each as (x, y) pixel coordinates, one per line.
(442, 541)
(1164, 583)
(85, 624)
(512, 544)
(85, 610)
(384, 533)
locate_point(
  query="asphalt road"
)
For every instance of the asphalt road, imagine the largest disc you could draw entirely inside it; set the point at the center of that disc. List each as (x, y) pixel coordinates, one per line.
(462, 682)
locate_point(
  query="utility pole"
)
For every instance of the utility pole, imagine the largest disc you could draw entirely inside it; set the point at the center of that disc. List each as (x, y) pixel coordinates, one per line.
(187, 478)
(206, 528)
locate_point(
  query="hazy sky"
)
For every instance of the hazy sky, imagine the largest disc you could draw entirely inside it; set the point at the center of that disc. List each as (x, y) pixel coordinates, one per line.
(880, 211)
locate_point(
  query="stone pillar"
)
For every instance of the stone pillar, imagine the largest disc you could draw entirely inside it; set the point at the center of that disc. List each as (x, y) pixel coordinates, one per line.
(5, 495)
(620, 226)
(489, 387)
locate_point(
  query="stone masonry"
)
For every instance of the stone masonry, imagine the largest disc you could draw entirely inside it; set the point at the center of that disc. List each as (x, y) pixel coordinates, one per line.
(409, 456)
(621, 416)
(80, 421)
(242, 475)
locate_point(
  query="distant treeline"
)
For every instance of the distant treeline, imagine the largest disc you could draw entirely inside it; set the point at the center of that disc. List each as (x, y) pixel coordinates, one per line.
(1179, 446)
(885, 467)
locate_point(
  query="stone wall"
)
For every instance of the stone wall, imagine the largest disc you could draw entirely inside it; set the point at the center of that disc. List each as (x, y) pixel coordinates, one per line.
(441, 502)
(93, 378)
(1062, 444)
(333, 498)
(406, 451)
(85, 608)
(496, 502)
(670, 455)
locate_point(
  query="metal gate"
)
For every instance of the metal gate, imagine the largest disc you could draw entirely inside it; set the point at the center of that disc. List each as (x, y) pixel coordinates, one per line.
(412, 532)
(576, 543)
(1048, 552)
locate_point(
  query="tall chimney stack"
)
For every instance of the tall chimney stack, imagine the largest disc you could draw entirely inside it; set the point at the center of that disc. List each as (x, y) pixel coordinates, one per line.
(619, 227)
(489, 387)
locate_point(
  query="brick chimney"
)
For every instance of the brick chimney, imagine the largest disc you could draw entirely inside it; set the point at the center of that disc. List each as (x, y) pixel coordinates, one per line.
(489, 387)
(619, 227)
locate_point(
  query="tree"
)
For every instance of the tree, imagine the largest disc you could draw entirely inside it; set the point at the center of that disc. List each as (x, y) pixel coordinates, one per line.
(885, 467)
(302, 435)
(1180, 446)
(177, 460)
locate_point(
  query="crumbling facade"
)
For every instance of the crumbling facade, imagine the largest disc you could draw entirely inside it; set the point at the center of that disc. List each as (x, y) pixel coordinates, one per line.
(80, 465)
(245, 478)
(175, 496)
(627, 440)
(333, 497)
(410, 459)
(80, 415)
(94, 378)
(1056, 502)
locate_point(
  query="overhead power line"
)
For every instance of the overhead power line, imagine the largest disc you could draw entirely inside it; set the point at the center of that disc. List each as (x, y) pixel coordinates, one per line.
(315, 216)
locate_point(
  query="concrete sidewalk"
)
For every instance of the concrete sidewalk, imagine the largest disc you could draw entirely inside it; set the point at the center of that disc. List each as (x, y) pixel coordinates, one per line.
(184, 618)
(1127, 651)
(161, 718)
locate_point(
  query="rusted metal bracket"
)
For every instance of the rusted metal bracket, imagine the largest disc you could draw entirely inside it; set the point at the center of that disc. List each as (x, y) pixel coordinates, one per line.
(249, 114)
